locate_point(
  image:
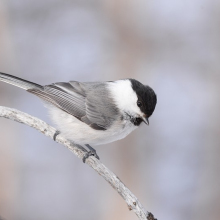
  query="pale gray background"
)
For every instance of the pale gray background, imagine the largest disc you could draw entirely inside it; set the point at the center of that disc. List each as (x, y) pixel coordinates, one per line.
(173, 165)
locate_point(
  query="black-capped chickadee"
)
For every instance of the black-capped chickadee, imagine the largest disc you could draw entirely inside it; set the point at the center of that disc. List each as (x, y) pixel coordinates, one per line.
(93, 112)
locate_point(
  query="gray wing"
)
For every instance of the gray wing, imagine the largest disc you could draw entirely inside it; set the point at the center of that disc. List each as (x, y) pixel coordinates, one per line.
(89, 102)
(100, 107)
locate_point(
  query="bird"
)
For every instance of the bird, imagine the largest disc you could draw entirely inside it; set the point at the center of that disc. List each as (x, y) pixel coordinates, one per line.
(93, 113)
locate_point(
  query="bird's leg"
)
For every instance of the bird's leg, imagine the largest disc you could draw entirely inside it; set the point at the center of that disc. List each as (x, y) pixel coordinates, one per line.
(91, 152)
(55, 135)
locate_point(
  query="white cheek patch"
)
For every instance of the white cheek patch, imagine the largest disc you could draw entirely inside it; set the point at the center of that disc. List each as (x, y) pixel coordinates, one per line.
(125, 97)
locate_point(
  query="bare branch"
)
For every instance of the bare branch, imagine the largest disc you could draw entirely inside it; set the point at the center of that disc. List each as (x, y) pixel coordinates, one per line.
(101, 169)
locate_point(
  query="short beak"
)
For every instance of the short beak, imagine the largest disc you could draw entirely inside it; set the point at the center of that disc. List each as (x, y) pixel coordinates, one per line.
(146, 121)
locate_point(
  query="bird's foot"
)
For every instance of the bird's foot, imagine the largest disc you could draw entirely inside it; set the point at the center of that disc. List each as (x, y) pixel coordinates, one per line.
(91, 152)
(55, 135)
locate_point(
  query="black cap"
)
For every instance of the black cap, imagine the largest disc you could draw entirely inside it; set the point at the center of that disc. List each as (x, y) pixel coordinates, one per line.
(146, 96)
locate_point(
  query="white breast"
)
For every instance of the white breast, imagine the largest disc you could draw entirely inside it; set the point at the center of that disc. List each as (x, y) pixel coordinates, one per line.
(79, 132)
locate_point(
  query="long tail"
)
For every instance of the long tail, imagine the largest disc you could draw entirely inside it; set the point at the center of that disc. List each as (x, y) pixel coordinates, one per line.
(24, 84)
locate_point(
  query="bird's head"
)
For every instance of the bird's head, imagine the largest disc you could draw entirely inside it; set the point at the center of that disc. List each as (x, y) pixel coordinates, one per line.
(136, 100)
(146, 100)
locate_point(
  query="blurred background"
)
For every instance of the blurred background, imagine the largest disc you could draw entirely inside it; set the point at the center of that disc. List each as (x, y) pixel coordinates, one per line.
(173, 165)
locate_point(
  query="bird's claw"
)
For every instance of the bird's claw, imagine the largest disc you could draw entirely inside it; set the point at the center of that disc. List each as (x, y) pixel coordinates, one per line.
(90, 153)
(55, 135)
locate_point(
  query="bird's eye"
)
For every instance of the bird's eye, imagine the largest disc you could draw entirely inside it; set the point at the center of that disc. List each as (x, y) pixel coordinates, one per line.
(139, 104)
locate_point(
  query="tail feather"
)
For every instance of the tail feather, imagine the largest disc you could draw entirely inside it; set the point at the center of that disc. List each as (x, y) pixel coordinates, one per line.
(24, 84)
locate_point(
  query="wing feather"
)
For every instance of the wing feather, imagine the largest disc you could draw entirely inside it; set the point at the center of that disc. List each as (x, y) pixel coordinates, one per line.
(89, 102)
(100, 107)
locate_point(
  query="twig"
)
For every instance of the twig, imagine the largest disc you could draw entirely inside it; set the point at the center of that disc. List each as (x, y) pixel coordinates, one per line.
(101, 169)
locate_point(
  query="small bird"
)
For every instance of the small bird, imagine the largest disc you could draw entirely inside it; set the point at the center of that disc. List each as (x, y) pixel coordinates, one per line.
(93, 112)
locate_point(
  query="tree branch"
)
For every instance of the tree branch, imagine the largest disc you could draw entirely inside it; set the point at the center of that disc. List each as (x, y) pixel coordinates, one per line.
(101, 169)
